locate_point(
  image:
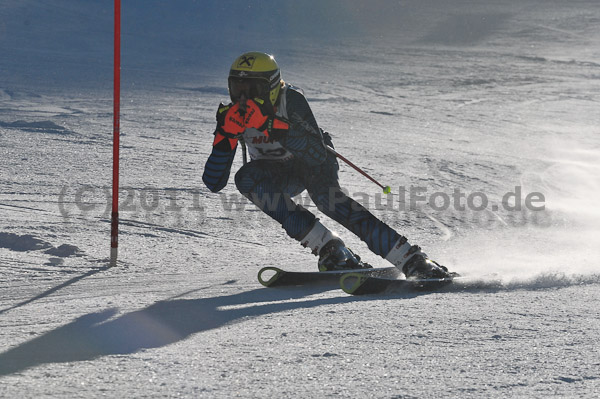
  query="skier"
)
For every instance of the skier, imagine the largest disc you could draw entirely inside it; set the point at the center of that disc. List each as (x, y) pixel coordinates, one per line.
(288, 155)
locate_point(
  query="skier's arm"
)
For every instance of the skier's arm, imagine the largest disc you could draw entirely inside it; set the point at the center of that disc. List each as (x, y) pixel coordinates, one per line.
(218, 166)
(304, 138)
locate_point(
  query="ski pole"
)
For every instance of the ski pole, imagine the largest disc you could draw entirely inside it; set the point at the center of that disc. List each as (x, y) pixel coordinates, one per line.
(244, 151)
(243, 106)
(386, 189)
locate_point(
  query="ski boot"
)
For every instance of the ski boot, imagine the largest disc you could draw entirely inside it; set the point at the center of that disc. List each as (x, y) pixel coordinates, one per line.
(415, 264)
(333, 254)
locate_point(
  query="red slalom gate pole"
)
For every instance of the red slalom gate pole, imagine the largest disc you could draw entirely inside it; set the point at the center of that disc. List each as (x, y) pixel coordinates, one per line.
(114, 229)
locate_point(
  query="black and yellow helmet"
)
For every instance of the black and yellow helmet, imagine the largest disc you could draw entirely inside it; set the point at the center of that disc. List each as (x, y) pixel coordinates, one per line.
(255, 74)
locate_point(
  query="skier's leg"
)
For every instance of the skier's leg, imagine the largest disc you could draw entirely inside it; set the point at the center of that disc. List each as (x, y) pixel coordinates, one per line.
(325, 191)
(270, 188)
(379, 237)
(333, 202)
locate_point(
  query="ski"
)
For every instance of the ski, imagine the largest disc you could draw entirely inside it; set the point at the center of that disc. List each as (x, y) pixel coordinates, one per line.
(359, 284)
(276, 277)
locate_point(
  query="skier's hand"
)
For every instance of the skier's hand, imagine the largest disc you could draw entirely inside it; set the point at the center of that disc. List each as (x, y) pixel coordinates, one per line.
(230, 124)
(230, 119)
(257, 117)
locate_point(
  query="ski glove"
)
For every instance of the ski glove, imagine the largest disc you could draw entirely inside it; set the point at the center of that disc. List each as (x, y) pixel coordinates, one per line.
(232, 121)
(257, 117)
(230, 124)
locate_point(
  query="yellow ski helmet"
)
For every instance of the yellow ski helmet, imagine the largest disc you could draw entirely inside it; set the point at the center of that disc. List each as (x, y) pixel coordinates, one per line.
(255, 74)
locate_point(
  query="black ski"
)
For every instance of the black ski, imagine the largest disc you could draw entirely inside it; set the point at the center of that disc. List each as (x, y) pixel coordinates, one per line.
(359, 284)
(276, 277)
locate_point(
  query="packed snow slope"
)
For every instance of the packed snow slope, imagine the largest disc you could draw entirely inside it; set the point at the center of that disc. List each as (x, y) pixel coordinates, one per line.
(482, 117)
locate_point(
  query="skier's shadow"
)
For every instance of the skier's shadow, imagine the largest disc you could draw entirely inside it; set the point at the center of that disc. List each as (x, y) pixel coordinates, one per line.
(99, 334)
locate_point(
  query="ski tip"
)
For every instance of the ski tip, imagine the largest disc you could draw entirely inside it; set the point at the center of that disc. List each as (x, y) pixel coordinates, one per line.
(351, 282)
(268, 275)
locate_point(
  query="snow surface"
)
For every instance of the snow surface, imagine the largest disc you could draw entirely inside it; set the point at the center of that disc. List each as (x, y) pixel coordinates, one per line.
(446, 96)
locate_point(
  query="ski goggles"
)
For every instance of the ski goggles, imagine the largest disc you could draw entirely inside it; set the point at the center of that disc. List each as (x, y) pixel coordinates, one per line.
(249, 87)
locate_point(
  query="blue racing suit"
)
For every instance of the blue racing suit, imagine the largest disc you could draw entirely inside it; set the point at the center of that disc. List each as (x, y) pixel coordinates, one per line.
(281, 169)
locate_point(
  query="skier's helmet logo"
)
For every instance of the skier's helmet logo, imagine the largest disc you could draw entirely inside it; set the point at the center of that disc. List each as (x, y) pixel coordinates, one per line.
(246, 61)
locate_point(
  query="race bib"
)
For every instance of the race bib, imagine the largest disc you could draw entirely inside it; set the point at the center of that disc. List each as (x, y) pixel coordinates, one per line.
(262, 147)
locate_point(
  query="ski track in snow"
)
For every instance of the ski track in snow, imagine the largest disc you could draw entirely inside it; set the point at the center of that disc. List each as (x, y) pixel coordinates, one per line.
(510, 101)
